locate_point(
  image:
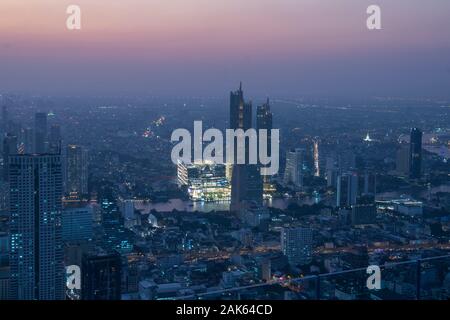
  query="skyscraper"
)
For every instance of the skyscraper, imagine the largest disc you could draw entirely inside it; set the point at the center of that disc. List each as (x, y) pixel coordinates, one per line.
(246, 181)
(40, 132)
(9, 148)
(101, 279)
(293, 173)
(296, 244)
(76, 171)
(316, 158)
(36, 255)
(347, 189)
(264, 121)
(415, 164)
(402, 162)
(55, 139)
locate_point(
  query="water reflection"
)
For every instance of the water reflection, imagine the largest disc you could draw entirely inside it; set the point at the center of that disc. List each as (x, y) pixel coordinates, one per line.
(191, 206)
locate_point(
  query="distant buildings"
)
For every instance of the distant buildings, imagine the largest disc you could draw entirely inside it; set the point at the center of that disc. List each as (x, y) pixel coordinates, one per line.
(293, 173)
(76, 171)
(415, 150)
(402, 206)
(296, 244)
(9, 148)
(36, 257)
(40, 132)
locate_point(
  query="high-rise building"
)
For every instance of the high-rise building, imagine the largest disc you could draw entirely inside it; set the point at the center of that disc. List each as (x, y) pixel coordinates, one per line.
(9, 148)
(316, 158)
(415, 154)
(246, 181)
(36, 254)
(28, 140)
(264, 122)
(402, 160)
(40, 132)
(296, 244)
(101, 278)
(347, 189)
(76, 171)
(55, 139)
(293, 173)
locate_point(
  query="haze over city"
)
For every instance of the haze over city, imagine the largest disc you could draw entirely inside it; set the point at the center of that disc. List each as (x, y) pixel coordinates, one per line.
(284, 48)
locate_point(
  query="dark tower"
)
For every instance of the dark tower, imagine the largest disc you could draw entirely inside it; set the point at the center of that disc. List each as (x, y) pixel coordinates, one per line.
(415, 152)
(246, 182)
(40, 132)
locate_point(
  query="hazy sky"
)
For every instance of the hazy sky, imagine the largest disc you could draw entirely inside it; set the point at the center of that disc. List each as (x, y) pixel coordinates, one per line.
(204, 47)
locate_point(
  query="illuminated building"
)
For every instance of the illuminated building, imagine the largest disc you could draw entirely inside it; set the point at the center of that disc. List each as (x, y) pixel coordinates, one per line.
(264, 121)
(204, 182)
(316, 159)
(36, 256)
(296, 244)
(293, 172)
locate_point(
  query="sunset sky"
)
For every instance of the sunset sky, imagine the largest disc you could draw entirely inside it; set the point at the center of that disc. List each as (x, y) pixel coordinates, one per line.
(281, 48)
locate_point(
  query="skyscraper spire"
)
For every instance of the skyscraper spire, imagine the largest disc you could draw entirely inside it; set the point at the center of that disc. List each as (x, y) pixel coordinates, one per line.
(240, 86)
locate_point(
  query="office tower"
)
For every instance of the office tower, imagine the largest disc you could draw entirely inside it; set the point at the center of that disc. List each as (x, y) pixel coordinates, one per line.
(76, 171)
(370, 185)
(415, 150)
(347, 189)
(332, 172)
(101, 278)
(9, 148)
(36, 256)
(296, 244)
(293, 173)
(77, 222)
(28, 140)
(363, 214)
(55, 139)
(246, 181)
(40, 132)
(316, 158)
(403, 160)
(264, 121)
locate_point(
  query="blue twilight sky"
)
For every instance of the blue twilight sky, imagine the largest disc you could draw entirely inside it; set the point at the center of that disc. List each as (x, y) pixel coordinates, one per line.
(204, 47)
